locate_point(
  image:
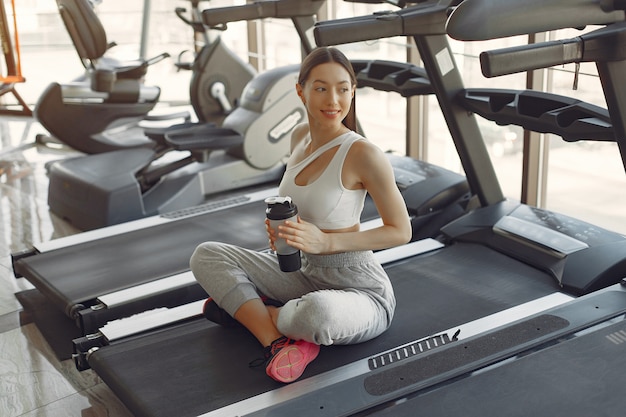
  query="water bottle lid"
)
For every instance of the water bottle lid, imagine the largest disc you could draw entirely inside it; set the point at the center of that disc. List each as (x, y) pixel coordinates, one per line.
(277, 200)
(279, 208)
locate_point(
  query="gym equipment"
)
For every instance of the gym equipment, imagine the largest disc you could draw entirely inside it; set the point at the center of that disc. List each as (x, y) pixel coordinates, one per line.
(192, 160)
(219, 76)
(96, 112)
(597, 46)
(501, 279)
(249, 149)
(99, 261)
(394, 375)
(110, 105)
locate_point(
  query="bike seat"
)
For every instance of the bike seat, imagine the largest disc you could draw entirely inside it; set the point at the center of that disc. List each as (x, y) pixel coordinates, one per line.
(89, 38)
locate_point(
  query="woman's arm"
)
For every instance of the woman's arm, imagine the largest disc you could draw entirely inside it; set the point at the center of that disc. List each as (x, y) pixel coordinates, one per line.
(367, 164)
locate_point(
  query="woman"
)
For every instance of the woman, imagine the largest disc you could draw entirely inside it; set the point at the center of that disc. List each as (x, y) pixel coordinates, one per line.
(341, 295)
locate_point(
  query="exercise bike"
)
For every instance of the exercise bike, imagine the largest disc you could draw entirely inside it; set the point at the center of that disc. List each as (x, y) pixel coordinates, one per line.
(99, 111)
(103, 110)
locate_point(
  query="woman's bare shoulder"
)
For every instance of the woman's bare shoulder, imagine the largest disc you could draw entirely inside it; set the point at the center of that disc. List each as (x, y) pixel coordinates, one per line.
(365, 150)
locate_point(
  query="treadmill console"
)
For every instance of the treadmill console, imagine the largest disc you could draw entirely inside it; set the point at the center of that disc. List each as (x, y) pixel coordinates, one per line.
(433, 195)
(560, 234)
(427, 188)
(408, 171)
(582, 257)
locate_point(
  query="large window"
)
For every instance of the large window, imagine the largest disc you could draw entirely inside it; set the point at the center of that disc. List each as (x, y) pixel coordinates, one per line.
(585, 179)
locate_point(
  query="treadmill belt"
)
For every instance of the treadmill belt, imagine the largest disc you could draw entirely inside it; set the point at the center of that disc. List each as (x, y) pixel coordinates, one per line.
(200, 367)
(583, 376)
(75, 274)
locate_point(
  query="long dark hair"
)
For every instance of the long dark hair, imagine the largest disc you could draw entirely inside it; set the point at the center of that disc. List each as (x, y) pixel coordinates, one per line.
(323, 55)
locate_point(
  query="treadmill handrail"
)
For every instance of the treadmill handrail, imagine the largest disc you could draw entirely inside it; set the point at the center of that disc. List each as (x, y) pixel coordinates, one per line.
(605, 44)
(511, 60)
(219, 16)
(519, 17)
(424, 19)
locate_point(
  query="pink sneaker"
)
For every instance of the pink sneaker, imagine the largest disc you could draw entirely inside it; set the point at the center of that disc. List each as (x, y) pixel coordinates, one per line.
(288, 358)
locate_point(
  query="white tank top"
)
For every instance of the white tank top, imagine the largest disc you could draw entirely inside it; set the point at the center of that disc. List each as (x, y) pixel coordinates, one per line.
(325, 202)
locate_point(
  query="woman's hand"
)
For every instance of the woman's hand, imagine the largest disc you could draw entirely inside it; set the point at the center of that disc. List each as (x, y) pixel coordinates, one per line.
(304, 236)
(271, 235)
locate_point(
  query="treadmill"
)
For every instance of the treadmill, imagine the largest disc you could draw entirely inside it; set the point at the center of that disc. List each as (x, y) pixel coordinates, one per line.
(94, 277)
(509, 279)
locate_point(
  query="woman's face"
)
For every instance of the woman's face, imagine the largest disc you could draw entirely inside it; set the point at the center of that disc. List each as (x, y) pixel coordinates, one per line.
(327, 94)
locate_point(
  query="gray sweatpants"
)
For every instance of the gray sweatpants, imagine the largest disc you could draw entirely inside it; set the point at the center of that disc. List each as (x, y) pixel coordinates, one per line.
(341, 298)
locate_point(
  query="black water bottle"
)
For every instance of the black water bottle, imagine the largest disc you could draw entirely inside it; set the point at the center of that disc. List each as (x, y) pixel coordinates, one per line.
(279, 210)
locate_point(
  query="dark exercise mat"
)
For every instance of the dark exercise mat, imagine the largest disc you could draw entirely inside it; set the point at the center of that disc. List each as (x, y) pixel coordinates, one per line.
(199, 367)
(578, 377)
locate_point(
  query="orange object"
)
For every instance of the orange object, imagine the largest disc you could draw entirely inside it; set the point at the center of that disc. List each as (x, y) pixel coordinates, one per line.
(13, 65)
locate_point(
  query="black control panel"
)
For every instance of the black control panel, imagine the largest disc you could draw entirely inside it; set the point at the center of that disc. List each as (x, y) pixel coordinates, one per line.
(581, 257)
(560, 233)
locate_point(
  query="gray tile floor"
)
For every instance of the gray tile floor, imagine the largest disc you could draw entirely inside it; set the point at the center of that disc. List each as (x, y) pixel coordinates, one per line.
(33, 382)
